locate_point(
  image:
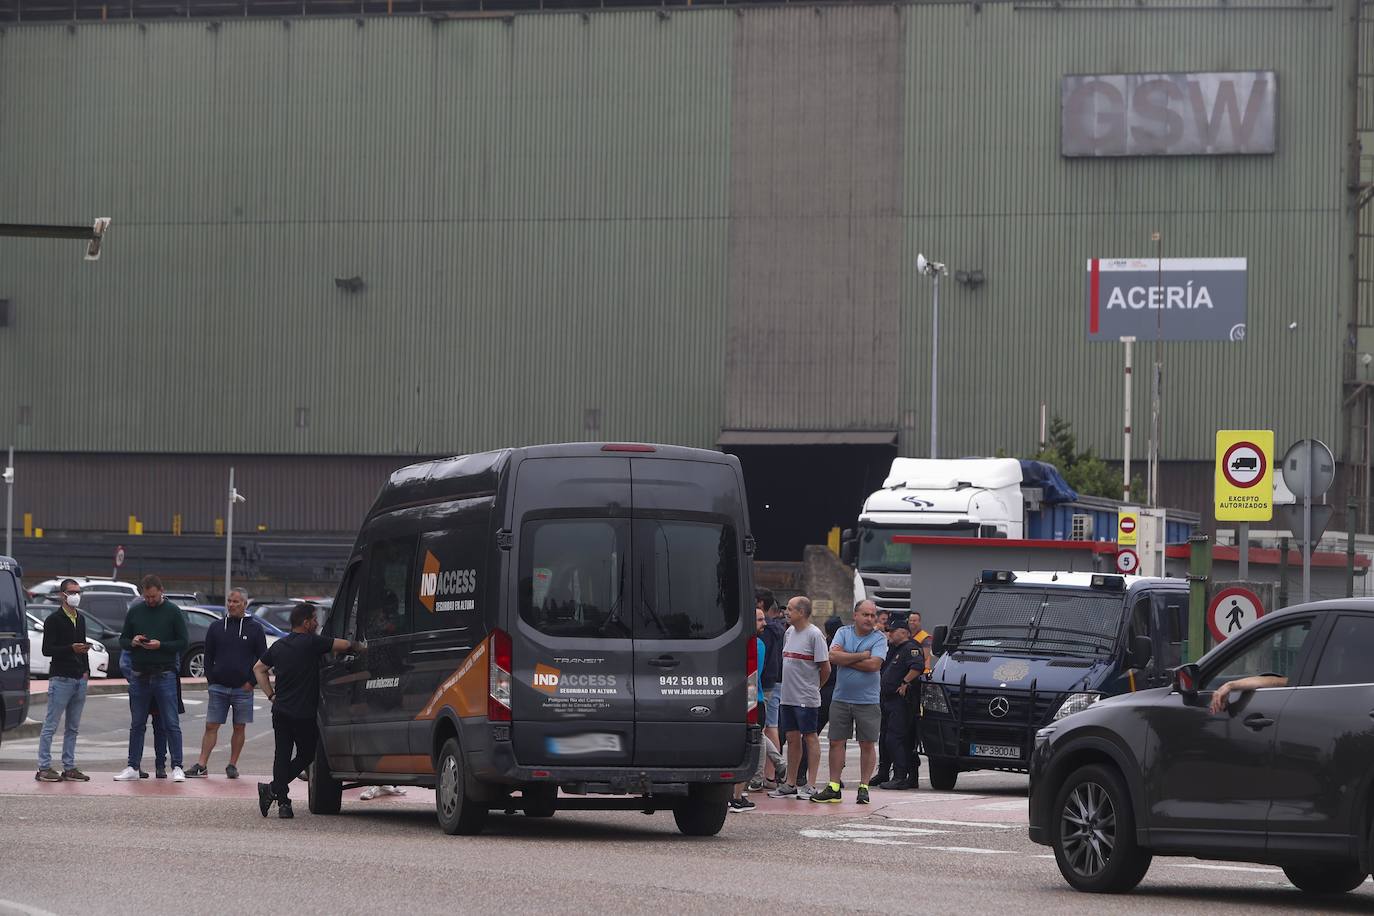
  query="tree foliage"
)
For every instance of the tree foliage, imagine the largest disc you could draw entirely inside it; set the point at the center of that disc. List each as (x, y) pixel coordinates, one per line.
(1085, 472)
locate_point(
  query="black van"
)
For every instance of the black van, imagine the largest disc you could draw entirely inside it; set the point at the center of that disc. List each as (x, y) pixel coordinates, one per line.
(14, 649)
(560, 616)
(1029, 648)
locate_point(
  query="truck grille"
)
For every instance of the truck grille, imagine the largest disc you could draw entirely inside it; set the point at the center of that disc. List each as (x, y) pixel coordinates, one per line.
(976, 705)
(893, 599)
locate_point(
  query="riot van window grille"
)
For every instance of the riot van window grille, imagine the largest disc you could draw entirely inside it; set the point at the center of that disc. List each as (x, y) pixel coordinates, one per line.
(1041, 621)
(1276, 653)
(687, 584)
(572, 577)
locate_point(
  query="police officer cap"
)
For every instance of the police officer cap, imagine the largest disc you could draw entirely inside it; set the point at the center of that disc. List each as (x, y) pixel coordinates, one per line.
(894, 621)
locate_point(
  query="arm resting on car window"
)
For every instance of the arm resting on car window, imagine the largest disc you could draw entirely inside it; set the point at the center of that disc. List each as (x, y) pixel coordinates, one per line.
(1259, 682)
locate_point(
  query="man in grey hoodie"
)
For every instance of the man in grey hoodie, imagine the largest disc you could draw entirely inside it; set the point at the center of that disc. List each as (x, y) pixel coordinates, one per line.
(232, 646)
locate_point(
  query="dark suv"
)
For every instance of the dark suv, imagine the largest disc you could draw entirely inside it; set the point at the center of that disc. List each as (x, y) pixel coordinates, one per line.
(1282, 775)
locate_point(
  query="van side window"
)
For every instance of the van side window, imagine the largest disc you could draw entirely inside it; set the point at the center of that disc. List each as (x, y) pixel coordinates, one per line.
(385, 602)
(688, 579)
(452, 578)
(11, 617)
(344, 620)
(573, 576)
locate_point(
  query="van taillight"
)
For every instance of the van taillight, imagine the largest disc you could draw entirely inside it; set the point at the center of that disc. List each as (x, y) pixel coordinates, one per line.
(498, 677)
(751, 682)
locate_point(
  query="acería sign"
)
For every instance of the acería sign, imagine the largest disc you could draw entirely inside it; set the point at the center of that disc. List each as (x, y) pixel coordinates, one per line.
(1198, 299)
(1168, 114)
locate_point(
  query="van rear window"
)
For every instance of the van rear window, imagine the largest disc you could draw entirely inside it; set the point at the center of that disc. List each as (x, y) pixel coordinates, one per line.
(689, 579)
(573, 576)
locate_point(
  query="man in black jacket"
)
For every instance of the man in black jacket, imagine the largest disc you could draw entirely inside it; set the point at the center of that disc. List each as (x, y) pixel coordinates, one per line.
(898, 694)
(770, 678)
(64, 641)
(232, 646)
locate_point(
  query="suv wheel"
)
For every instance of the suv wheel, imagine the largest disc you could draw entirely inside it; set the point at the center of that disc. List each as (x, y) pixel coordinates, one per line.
(325, 792)
(540, 800)
(194, 664)
(702, 812)
(458, 812)
(1326, 877)
(1092, 830)
(943, 774)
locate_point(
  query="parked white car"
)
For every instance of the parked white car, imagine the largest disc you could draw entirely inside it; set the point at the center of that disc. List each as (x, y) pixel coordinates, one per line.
(97, 659)
(88, 583)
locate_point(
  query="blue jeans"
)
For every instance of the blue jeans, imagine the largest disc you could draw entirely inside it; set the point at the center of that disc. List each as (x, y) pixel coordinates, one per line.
(147, 692)
(65, 695)
(126, 667)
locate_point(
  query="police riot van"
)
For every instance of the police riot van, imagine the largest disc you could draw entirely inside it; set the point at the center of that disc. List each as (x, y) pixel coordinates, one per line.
(1029, 648)
(14, 649)
(561, 617)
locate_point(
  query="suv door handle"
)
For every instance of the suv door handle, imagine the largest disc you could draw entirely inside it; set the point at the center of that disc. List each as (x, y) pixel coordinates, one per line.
(1257, 721)
(664, 661)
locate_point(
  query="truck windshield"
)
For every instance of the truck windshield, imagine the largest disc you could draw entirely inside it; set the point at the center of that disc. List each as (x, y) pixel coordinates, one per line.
(878, 554)
(1025, 621)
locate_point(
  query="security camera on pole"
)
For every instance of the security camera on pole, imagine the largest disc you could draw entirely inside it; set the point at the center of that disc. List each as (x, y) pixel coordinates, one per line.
(234, 497)
(933, 269)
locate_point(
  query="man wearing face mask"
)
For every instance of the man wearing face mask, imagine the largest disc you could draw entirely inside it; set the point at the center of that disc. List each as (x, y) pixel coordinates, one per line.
(232, 646)
(64, 641)
(155, 632)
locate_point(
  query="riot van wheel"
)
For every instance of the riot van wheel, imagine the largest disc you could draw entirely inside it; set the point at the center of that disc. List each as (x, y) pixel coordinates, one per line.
(943, 774)
(1092, 830)
(458, 812)
(325, 792)
(703, 811)
(1325, 878)
(539, 801)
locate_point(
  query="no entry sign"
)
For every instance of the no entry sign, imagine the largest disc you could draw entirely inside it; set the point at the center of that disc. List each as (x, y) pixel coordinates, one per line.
(1232, 610)
(1128, 527)
(1244, 475)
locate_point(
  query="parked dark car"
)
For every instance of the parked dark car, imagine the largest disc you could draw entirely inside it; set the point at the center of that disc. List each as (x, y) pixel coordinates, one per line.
(1283, 775)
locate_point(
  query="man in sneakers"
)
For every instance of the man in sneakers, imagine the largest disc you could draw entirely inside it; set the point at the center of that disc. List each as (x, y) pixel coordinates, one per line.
(295, 659)
(770, 672)
(232, 646)
(64, 641)
(857, 652)
(805, 666)
(155, 633)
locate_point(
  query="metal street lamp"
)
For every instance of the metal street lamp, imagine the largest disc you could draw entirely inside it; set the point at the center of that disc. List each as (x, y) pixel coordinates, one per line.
(234, 497)
(8, 477)
(933, 269)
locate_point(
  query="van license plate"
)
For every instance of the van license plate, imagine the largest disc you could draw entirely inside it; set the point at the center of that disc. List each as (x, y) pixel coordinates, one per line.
(995, 750)
(592, 743)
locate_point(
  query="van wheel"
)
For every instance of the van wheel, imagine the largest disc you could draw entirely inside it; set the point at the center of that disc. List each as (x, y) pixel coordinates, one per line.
(943, 774)
(325, 792)
(1092, 831)
(458, 812)
(702, 812)
(1325, 878)
(539, 801)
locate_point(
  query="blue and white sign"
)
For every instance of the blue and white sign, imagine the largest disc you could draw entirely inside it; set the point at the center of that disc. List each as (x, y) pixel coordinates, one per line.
(1168, 299)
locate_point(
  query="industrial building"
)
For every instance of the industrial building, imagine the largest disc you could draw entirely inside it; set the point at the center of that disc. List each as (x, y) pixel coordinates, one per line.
(346, 235)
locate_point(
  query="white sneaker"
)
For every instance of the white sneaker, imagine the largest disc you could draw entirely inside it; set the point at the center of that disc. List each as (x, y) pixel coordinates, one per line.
(370, 793)
(392, 790)
(804, 793)
(178, 775)
(128, 774)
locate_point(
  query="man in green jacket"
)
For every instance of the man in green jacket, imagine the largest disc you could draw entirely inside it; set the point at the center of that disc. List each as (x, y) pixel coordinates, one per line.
(154, 633)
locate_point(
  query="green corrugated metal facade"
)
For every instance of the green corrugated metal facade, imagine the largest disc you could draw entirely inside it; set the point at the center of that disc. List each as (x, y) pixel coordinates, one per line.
(567, 228)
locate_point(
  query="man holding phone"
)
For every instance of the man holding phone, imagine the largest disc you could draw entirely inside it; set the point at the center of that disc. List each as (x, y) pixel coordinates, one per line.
(64, 641)
(155, 633)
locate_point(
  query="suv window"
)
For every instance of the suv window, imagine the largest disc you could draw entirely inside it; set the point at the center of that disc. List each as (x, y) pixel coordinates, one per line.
(1347, 654)
(11, 618)
(388, 585)
(572, 576)
(688, 580)
(1274, 653)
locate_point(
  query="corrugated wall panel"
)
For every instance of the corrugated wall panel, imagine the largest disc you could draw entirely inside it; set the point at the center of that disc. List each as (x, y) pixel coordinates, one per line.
(987, 189)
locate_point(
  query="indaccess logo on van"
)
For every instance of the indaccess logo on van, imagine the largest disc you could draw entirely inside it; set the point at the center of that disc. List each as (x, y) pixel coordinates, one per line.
(436, 583)
(546, 678)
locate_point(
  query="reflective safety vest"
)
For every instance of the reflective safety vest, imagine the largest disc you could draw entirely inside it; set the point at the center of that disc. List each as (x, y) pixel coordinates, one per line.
(921, 638)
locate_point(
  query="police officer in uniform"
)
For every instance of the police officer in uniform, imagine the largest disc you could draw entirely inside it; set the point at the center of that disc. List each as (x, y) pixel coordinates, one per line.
(900, 698)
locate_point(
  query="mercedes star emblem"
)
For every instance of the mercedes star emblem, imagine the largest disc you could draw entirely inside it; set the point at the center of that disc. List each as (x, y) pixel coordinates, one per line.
(999, 707)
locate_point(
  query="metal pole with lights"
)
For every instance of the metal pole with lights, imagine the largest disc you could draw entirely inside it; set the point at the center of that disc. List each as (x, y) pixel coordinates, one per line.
(933, 269)
(234, 497)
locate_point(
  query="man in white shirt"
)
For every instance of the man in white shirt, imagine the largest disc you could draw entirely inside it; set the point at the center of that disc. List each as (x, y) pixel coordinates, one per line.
(805, 667)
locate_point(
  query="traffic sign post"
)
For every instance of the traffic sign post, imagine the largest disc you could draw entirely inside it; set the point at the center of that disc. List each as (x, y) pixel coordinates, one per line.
(1127, 561)
(1231, 610)
(1244, 483)
(1308, 471)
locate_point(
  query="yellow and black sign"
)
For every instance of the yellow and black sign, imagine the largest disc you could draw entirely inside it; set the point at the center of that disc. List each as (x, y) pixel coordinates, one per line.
(1245, 475)
(1128, 527)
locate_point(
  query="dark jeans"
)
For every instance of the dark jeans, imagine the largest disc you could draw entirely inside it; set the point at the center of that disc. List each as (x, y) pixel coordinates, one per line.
(145, 693)
(299, 734)
(896, 739)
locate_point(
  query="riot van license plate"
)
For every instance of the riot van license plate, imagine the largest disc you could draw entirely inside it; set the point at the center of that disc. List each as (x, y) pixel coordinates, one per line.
(1006, 751)
(591, 743)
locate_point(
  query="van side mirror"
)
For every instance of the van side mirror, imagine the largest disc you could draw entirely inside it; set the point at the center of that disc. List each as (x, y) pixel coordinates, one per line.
(937, 641)
(849, 547)
(1142, 650)
(1186, 679)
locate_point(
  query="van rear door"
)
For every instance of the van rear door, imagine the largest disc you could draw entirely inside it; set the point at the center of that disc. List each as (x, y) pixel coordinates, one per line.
(572, 696)
(690, 645)
(14, 650)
